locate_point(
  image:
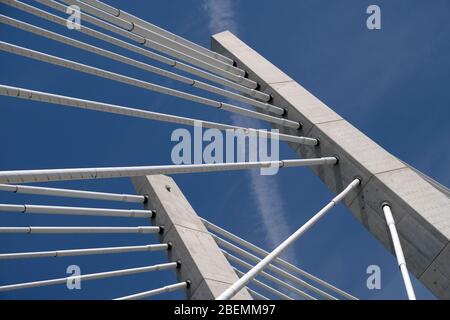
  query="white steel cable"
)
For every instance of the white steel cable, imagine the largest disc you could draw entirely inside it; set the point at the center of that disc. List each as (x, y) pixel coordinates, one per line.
(229, 246)
(271, 278)
(92, 276)
(238, 285)
(56, 192)
(265, 286)
(398, 251)
(154, 36)
(120, 58)
(24, 176)
(256, 295)
(83, 252)
(73, 230)
(78, 211)
(149, 54)
(138, 113)
(154, 292)
(288, 266)
(156, 46)
(36, 55)
(128, 17)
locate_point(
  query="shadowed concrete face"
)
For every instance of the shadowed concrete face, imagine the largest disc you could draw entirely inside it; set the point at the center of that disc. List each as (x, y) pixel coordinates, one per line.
(421, 212)
(202, 262)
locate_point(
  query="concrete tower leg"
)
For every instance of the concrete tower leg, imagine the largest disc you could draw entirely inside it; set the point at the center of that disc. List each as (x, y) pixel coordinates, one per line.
(202, 262)
(421, 210)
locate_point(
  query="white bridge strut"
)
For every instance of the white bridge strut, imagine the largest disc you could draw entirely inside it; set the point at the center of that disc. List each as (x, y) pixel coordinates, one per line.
(220, 265)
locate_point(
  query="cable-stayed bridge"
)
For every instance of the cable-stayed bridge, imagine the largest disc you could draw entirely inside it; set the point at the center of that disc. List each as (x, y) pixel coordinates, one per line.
(405, 210)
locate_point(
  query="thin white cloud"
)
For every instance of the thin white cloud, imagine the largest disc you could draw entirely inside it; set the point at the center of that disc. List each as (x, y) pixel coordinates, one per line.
(265, 189)
(267, 195)
(221, 15)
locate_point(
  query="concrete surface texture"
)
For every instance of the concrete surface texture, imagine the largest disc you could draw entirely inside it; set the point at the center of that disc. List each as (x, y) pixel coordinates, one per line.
(202, 262)
(421, 211)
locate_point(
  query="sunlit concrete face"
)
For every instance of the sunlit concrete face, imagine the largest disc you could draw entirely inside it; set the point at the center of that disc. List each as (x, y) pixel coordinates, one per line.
(202, 262)
(421, 211)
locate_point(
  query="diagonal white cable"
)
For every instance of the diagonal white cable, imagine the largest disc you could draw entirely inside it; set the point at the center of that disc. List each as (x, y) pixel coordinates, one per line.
(131, 18)
(242, 282)
(24, 176)
(156, 46)
(278, 261)
(281, 283)
(92, 276)
(73, 230)
(83, 252)
(69, 64)
(138, 113)
(77, 211)
(142, 51)
(154, 292)
(139, 30)
(56, 192)
(117, 57)
(229, 246)
(398, 251)
(264, 286)
(256, 295)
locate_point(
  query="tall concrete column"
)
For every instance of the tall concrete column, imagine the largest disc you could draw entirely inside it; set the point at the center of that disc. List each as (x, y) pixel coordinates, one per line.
(202, 262)
(421, 211)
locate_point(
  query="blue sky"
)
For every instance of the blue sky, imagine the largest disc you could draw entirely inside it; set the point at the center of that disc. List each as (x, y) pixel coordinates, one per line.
(392, 84)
